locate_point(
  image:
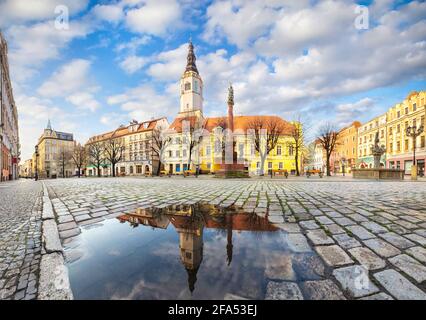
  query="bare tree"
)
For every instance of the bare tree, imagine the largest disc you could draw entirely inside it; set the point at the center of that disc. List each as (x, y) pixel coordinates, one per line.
(328, 138)
(159, 144)
(79, 157)
(265, 134)
(192, 132)
(64, 159)
(114, 152)
(96, 155)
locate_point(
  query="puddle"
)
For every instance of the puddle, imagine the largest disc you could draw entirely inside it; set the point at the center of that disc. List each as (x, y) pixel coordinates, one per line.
(182, 252)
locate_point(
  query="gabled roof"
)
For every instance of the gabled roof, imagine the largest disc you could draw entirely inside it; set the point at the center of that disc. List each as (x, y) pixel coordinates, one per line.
(125, 130)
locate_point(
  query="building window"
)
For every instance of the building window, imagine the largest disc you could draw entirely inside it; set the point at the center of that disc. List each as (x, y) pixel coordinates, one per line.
(414, 107)
(280, 165)
(187, 86)
(390, 131)
(399, 114)
(422, 121)
(406, 110)
(290, 150)
(391, 147)
(241, 150)
(208, 150)
(406, 145)
(184, 153)
(139, 169)
(414, 123)
(398, 146)
(422, 141)
(398, 128)
(278, 150)
(131, 169)
(269, 165)
(382, 134)
(177, 154)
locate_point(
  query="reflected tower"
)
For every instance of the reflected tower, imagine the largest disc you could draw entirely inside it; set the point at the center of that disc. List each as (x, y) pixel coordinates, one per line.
(191, 246)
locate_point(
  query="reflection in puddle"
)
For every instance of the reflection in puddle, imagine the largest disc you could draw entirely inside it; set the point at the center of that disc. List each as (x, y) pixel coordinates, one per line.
(182, 252)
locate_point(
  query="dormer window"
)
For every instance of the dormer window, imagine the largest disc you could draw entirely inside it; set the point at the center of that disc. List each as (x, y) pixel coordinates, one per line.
(187, 86)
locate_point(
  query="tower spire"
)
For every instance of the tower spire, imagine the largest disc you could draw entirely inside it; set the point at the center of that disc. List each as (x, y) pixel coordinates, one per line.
(230, 95)
(49, 126)
(190, 60)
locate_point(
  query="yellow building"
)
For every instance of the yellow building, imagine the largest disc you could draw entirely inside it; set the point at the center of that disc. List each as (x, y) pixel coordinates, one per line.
(53, 156)
(205, 149)
(411, 112)
(26, 169)
(366, 135)
(347, 148)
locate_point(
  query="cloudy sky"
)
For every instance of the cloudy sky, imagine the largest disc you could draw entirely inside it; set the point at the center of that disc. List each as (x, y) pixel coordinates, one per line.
(122, 60)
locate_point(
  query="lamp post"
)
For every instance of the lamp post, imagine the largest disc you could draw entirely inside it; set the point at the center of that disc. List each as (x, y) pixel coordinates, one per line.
(36, 164)
(343, 160)
(414, 132)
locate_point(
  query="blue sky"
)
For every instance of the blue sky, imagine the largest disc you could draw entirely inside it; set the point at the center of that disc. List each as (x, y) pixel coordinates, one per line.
(122, 60)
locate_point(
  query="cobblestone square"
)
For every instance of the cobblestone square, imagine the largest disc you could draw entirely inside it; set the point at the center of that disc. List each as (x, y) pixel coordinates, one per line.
(377, 227)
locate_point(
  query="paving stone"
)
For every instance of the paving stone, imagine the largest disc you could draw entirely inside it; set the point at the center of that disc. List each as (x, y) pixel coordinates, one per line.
(416, 238)
(309, 224)
(51, 237)
(319, 237)
(279, 267)
(410, 266)
(297, 243)
(334, 229)
(346, 241)
(367, 258)
(289, 227)
(374, 227)
(417, 252)
(382, 248)
(324, 220)
(67, 226)
(399, 286)
(378, 296)
(344, 221)
(397, 240)
(65, 219)
(322, 290)
(360, 232)
(82, 217)
(283, 291)
(355, 280)
(333, 255)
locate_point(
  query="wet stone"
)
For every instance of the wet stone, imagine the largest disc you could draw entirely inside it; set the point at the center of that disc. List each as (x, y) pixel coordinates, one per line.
(378, 296)
(416, 238)
(382, 248)
(289, 227)
(279, 267)
(69, 233)
(346, 241)
(308, 267)
(335, 229)
(361, 232)
(374, 227)
(397, 240)
(355, 280)
(67, 226)
(283, 291)
(410, 266)
(399, 286)
(417, 252)
(319, 237)
(309, 224)
(322, 290)
(334, 255)
(82, 217)
(297, 242)
(367, 258)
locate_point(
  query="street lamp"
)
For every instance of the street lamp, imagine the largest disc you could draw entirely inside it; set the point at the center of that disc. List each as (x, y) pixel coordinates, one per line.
(413, 132)
(36, 164)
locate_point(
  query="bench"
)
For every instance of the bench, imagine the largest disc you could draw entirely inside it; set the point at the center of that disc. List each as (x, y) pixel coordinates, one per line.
(280, 172)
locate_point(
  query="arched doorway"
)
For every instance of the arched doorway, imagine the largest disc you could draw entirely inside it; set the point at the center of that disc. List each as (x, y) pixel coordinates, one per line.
(146, 169)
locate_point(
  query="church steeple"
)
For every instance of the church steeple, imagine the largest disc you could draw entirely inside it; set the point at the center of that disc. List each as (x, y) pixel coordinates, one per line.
(49, 126)
(190, 60)
(191, 86)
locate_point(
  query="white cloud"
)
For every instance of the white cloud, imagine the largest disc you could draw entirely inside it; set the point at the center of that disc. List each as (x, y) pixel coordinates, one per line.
(348, 112)
(18, 11)
(31, 46)
(84, 100)
(110, 13)
(132, 63)
(144, 102)
(154, 17)
(68, 79)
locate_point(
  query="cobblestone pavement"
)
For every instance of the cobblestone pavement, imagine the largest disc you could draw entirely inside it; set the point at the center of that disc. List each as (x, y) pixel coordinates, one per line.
(371, 234)
(20, 239)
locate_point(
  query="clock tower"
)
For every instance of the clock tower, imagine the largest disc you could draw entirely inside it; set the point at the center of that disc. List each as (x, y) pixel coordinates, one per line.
(191, 87)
